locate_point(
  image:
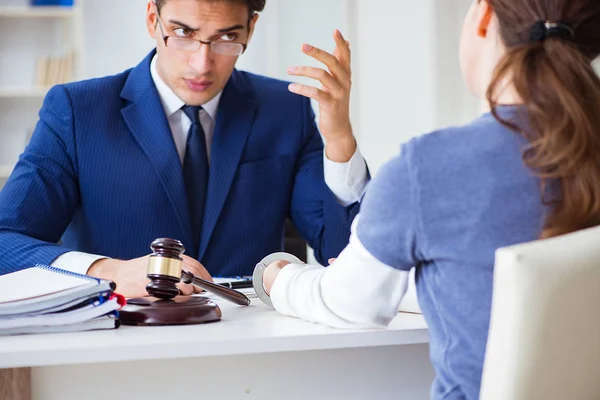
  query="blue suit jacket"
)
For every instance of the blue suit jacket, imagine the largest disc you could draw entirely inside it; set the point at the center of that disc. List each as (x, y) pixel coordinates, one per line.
(101, 175)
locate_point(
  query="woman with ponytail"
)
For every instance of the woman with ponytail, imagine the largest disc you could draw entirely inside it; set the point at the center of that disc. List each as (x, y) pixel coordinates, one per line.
(528, 169)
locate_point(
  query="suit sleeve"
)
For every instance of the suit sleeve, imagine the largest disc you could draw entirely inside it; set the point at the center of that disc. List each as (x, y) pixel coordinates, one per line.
(315, 211)
(40, 197)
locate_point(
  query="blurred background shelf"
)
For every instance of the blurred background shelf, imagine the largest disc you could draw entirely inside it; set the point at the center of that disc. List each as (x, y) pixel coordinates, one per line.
(40, 46)
(37, 12)
(22, 92)
(5, 171)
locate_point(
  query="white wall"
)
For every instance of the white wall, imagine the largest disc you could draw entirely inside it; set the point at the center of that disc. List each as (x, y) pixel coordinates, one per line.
(407, 75)
(283, 27)
(394, 74)
(115, 35)
(454, 103)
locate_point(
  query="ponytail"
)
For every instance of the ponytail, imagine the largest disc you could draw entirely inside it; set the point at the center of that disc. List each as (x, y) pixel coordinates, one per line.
(561, 95)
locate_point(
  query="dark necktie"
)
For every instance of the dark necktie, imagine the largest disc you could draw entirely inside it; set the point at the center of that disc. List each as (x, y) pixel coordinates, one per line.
(195, 172)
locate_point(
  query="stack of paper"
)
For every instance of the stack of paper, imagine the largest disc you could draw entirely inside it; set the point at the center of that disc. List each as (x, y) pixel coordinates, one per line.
(45, 299)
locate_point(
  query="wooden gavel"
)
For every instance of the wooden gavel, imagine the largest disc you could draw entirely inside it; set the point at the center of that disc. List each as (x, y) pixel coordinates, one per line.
(165, 271)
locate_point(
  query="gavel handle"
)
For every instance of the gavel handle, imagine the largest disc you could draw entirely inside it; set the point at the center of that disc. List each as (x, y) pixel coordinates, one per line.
(219, 290)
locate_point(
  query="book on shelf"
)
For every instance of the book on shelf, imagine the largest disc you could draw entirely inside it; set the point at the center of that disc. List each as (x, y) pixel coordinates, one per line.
(54, 70)
(45, 299)
(43, 3)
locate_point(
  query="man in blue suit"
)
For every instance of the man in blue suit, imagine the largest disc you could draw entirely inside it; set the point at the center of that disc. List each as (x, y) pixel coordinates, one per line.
(187, 147)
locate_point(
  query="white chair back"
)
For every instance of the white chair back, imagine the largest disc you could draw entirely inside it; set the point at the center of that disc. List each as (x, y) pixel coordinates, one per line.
(544, 337)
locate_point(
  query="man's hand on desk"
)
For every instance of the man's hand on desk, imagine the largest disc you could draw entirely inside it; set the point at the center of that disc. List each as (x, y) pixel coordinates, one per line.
(131, 279)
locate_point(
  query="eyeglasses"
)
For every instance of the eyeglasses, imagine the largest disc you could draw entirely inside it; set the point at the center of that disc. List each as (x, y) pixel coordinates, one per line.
(191, 45)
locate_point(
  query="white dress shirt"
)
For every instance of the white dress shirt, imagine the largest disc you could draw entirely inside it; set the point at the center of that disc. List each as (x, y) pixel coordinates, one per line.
(347, 180)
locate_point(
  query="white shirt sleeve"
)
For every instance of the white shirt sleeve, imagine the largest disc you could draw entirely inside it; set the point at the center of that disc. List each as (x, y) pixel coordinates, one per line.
(348, 180)
(75, 261)
(356, 291)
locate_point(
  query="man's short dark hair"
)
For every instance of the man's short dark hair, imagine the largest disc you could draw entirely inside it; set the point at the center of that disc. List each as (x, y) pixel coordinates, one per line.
(253, 5)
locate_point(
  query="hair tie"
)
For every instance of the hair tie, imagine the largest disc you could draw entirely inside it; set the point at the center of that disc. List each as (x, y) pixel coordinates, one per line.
(543, 30)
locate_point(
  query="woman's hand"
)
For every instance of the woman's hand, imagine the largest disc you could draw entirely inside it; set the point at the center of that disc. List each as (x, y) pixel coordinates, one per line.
(271, 273)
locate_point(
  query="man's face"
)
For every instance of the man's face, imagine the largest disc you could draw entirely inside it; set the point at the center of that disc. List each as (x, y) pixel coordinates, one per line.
(198, 76)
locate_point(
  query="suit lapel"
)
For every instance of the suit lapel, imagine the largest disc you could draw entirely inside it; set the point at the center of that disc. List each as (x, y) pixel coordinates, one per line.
(145, 117)
(234, 121)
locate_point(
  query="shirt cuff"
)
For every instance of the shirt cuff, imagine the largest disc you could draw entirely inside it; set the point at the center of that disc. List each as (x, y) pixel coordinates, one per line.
(348, 180)
(77, 262)
(327, 295)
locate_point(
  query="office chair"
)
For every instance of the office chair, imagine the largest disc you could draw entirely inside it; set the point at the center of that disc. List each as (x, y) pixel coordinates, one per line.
(293, 243)
(544, 337)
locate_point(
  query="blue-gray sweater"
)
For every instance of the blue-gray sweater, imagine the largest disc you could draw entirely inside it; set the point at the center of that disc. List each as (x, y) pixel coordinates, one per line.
(445, 205)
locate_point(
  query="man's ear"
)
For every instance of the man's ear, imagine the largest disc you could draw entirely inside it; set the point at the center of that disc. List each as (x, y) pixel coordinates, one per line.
(151, 19)
(485, 13)
(251, 26)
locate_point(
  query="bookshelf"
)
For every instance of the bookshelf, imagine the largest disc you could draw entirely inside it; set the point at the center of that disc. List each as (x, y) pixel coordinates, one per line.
(37, 12)
(23, 92)
(5, 171)
(40, 46)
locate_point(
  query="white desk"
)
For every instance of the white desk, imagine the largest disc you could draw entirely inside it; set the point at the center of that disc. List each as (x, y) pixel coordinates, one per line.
(253, 353)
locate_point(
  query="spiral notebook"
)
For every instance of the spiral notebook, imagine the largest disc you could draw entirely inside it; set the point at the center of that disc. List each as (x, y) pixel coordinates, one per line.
(47, 289)
(45, 299)
(109, 321)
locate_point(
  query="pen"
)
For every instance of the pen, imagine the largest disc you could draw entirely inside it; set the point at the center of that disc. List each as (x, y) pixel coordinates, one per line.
(245, 284)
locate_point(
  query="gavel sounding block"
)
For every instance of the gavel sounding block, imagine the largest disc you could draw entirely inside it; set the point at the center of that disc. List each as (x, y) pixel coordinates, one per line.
(181, 310)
